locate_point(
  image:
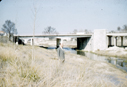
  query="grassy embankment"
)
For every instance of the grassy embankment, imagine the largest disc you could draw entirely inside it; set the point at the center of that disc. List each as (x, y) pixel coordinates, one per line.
(17, 69)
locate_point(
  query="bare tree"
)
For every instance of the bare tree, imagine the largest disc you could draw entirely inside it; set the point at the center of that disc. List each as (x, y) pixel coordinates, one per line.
(112, 31)
(75, 31)
(15, 31)
(9, 28)
(125, 28)
(86, 31)
(119, 29)
(50, 30)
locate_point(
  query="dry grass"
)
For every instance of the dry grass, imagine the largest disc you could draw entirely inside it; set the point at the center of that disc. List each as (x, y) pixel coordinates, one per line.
(17, 69)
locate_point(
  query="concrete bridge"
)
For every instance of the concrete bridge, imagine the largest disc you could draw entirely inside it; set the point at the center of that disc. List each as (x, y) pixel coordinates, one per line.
(112, 38)
(99, 40)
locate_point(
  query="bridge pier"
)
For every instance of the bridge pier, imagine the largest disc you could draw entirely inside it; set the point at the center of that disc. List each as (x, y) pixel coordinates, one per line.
(58, 42)
(109, 41)
(122, 41)
(115, 40)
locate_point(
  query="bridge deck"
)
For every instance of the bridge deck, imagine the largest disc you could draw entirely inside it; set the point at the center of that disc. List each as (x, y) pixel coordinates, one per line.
(70, 35)
(56, 35)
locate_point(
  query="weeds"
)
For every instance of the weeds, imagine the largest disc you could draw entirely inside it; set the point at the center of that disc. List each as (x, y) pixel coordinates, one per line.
(47, 71)
(7, 55)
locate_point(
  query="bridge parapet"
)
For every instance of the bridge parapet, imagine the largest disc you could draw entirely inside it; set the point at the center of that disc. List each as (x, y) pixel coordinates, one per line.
(56, 35)
(116, 34)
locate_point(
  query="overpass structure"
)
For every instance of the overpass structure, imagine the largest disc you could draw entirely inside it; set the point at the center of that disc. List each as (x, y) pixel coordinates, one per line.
(115, 36)
(55, 35)
(99, 40)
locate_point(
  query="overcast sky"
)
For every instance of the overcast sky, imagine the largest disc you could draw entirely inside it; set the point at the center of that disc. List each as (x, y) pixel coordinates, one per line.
(64, 15)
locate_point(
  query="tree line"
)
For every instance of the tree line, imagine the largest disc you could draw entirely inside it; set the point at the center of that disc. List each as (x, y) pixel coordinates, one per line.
(120, 30)
(10, 29)
(86, 31)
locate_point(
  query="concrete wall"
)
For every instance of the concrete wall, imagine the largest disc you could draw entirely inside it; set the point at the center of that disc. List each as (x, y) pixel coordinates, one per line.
(100, 39)
(85, 44)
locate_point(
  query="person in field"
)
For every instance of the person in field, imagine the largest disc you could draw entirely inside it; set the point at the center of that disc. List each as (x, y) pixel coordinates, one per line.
(61, 53)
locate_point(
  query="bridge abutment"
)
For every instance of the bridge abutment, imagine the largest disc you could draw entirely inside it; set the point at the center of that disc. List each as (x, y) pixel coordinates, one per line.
(100, 39)
(84, 43)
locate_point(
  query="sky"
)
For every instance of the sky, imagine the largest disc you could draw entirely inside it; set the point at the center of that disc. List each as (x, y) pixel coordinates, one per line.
(64, 15)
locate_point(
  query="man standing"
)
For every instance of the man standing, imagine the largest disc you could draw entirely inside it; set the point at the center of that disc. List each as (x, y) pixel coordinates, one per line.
(60, 53)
